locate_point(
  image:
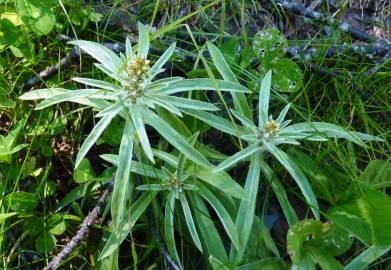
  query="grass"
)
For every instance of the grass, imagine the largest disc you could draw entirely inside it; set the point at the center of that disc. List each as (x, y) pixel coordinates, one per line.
(52, 136)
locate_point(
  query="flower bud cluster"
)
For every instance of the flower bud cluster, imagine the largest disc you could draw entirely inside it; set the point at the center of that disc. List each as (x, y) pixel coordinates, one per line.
(136, 76)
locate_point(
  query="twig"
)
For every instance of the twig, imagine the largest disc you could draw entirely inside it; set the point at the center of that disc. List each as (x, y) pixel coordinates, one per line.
(156, 235)
(300, 9)
(82, 233)
(373, 70)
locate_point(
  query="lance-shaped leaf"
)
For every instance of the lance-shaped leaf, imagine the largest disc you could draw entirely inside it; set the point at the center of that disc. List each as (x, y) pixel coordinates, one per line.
(246, 213)
(143, 40)
(239, 99)
(169, 226)
(95, 133)
(264, 96)
(331, 130)
(174, 138)
(222, 214)
(200, 84)
(297, 175)
(239, 156)
(106, 57)
(190, 221)
(135, 211)
(122, 176)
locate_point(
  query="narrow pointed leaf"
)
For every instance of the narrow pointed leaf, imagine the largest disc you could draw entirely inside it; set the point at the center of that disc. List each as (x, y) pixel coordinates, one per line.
(122, 176)
(142, 134)
(106, 57)
(174, 138)
(94, 135)
(190, 222)
(297, 175)
(239, 156)
(169, 226)
(264, 97)
(143, 40)
(239, 99)
(135, 211)
(246, 213)
(222, 214)
(97, 83)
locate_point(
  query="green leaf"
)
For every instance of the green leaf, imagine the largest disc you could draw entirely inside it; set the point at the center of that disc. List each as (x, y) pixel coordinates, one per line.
(239, 99)
(216, 122)
(174, 138)
(297, 175)
(216, 264)
(33, 225)
(8, 32)
(272, 263)
(331, 130)
(287, 75)
(163, 59)
(97, 83)
(36, 16)
(136, 167)
(246, 213)
(137, 118)
(84, 172)
(169, 226)
(377, 174)
(143, 40)
(264, 97)
(210, 235)
(268, 44)
(362, 261)
(134, 213)
(190, 221)
(220, 180)
(76, 96)
(239, 156)
(22, 201)
(223, 215)
(199, 84)
(6, 215)
(370, 212)
(43, 93)
(323, 257)
(45, 242)
(95, 134)
(180, 102)
(106, 57)
(280, 192)
(122, 177)
(297, 235)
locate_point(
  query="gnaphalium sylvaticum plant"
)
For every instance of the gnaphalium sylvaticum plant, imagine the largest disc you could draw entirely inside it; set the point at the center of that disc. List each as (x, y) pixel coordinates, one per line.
(267, 136)
(133, 95)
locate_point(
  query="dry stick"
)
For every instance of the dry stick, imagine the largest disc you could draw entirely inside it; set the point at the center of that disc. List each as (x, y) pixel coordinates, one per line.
(300, 9)
(88, 222)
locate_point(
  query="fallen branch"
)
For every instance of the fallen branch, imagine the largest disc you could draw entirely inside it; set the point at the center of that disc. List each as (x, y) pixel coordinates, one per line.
(88, 222)
(301, 10)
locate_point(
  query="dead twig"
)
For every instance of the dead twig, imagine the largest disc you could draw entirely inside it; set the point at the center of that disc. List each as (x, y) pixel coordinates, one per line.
(88, 222)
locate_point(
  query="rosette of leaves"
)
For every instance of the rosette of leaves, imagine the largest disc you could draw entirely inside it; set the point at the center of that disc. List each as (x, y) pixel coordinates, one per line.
(267, 136)
(193, 187)
(133, 95)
